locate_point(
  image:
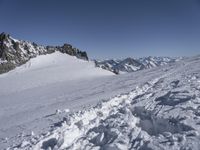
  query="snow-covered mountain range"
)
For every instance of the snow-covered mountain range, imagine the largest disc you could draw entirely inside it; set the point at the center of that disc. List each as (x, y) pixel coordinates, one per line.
(120, 66)
(54, 98)
(15, 52)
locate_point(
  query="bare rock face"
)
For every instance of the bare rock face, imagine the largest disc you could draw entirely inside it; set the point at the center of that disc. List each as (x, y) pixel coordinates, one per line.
(68, 49)
(14, 52)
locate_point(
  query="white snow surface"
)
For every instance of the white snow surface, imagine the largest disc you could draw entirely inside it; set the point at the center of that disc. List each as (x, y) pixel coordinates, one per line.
(152, 109)
(48, 69)
(30, 91)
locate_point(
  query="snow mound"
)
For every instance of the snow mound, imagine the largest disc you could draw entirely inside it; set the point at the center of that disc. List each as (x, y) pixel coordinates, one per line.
(48, 69)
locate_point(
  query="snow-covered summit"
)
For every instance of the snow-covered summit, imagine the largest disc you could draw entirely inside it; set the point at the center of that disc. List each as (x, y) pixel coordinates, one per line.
(15, 52)
(47, 69)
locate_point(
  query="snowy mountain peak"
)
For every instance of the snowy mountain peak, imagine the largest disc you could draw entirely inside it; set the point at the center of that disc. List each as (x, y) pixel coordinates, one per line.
(17, 52)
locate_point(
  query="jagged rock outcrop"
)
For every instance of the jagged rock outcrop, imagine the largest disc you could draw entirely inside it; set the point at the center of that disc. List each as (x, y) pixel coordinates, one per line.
(17, 52)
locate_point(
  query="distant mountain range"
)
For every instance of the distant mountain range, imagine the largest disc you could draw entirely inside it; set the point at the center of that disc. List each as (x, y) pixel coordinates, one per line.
(121, 66)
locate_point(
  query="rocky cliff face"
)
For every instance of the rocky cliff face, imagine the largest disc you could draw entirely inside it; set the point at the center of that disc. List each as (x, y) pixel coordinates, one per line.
(17, 52)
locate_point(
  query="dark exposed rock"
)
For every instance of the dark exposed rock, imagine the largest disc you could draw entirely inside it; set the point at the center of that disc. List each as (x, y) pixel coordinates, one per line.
(5, 67)
(68, 49)
(4, 36)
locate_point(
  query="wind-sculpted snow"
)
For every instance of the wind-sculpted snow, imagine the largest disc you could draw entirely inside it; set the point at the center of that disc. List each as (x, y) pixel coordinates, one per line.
(157, 109)
(97, 126)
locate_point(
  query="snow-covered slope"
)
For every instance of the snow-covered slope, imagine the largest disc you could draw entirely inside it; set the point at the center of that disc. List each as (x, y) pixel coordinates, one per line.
(34, 89)
(132, 65)
(156, 108)
(48, 69)
(15, 52)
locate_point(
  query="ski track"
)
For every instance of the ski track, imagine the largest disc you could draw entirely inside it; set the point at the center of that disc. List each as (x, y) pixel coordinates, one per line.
(161, 113)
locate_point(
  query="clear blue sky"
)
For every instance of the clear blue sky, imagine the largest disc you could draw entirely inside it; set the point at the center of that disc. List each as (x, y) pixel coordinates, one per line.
(107, 28)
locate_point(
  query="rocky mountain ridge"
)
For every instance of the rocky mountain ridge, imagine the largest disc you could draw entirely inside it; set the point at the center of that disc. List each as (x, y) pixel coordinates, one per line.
(14, 52)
